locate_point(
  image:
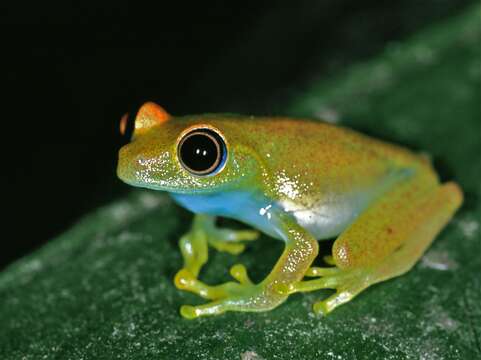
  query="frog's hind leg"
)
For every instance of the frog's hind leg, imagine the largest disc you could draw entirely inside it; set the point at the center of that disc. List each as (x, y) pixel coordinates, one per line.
(413, 224)
(194, 249)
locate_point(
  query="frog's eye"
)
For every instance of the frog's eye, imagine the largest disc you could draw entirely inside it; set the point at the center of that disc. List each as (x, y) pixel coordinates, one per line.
(202, 152)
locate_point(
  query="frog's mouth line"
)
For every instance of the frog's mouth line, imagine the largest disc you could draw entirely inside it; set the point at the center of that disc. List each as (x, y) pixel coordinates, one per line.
(170, 189)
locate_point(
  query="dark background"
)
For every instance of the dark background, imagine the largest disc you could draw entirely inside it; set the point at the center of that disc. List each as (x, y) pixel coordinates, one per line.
(70, 71)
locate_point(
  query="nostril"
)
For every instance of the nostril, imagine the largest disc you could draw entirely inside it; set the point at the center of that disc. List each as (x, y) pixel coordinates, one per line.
(140, 160)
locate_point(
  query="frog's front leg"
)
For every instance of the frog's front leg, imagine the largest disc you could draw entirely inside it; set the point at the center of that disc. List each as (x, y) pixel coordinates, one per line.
(194, 249)
(299, 253)
(384, 242)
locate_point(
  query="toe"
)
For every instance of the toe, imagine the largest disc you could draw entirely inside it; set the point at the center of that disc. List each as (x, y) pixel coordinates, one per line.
(184, 280)
(188, 312)
(318, 271)
(239, 272)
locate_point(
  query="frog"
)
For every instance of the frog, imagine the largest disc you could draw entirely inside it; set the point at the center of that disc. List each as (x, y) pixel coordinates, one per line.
(296, 180)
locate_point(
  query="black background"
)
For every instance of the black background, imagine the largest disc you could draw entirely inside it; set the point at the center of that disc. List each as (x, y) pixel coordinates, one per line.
(69, 72)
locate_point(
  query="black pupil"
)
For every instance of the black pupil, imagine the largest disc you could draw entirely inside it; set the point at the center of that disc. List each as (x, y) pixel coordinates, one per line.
(200, 152)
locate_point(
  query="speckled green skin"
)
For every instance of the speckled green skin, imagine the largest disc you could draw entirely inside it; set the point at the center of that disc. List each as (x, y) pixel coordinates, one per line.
(264, 153)
(298, 181)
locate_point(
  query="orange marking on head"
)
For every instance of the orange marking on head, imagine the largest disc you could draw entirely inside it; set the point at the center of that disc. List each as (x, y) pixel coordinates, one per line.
(123, 123)
(150, 114)
(156, 111)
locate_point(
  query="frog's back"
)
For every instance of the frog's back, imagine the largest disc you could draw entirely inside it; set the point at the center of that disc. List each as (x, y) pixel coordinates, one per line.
(316, 150)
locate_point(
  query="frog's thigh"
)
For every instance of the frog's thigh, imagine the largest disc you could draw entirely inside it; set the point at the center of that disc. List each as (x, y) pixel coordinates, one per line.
(412, 212)
(414, 234)
(433, 213)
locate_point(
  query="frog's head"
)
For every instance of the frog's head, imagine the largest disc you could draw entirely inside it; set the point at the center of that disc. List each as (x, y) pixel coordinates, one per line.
(185, 154)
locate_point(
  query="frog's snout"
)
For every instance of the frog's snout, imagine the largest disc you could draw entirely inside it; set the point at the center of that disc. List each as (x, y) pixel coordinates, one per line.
(140, 168)
(125, 170)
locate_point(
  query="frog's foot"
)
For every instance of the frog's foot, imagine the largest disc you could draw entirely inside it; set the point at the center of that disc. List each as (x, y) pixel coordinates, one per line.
(232, 296)
(229, 240)
(194, 244)
(347, 283)
(243, 295)
(184, 280)
(194, 249)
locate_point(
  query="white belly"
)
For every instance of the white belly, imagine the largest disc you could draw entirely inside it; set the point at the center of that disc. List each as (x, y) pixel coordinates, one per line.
(327, 219)
(330, 216)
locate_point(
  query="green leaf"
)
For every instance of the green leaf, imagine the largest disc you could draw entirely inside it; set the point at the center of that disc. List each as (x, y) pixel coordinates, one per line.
(104, 290)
